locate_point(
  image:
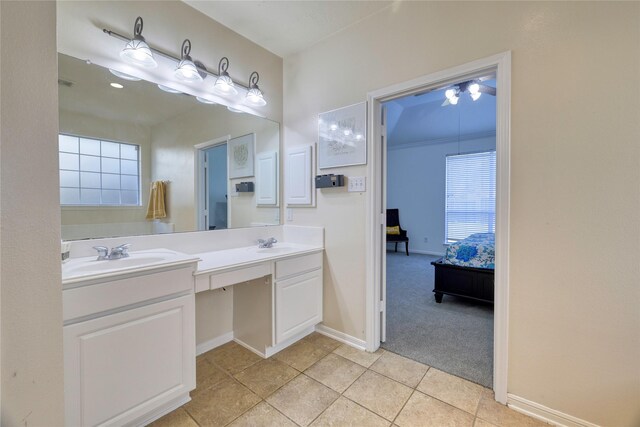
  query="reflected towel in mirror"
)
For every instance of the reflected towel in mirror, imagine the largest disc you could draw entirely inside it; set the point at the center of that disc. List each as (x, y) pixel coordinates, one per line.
(156, 209)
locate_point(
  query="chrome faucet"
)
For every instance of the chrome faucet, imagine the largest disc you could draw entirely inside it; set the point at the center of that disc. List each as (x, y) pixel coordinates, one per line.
(118, 252)
(268, 243)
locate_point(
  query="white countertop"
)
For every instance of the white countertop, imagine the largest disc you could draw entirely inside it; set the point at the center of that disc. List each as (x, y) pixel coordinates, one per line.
(89, 268)
(211, 262)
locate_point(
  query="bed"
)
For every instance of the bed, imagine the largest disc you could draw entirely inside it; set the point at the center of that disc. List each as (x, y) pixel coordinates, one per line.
(467, 269)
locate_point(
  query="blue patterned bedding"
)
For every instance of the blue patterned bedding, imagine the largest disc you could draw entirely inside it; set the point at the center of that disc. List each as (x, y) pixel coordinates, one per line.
(477, 250)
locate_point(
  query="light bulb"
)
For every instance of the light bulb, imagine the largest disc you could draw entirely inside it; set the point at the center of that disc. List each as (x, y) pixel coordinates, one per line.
(333, 127)
(450, 93)
(453, 100)
(474, 88)
(347, 132)
(475, 95)
(358, 136)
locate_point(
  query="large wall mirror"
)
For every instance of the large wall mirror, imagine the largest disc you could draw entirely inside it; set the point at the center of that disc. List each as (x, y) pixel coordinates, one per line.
(119, 139)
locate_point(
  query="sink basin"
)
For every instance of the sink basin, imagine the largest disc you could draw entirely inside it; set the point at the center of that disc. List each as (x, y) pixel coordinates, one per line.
(273, 250)
(98, 266)
(89, 267)
(278, 248)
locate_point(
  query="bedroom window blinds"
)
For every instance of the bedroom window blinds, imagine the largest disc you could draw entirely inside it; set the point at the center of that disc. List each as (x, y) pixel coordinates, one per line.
(470, 195)
(95, 172)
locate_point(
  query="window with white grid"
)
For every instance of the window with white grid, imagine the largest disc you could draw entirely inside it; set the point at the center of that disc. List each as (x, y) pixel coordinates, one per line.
(470, 195)
(98, 173)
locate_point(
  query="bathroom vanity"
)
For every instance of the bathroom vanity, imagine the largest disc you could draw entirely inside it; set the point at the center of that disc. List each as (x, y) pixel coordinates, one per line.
(129, 324)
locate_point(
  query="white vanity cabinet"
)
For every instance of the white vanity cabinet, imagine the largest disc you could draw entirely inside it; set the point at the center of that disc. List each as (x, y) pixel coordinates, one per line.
(129, 347)
(281, 307)
(298, 295)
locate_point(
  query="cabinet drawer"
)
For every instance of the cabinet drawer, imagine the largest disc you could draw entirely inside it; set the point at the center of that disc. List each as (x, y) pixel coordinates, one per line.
(91, 299)
(298, 265)
(238, 276)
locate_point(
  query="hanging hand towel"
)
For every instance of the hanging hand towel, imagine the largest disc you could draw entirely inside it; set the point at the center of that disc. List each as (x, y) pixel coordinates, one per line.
(156, 209)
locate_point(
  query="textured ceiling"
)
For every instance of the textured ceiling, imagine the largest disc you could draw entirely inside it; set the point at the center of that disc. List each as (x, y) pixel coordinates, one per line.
(287, 27)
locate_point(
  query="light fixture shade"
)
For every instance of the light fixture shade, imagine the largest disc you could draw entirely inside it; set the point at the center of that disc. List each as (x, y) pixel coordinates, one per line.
(186, 69)
(254, 95)
(475, 95)
(137, 51)
(454, 100)
(224, 84)
(474, 88)
(124, 76)
(168, 89)
(204, 100)
(450, 93)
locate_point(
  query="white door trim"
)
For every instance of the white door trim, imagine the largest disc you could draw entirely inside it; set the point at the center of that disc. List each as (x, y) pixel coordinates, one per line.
(199, 178)
(501, 64)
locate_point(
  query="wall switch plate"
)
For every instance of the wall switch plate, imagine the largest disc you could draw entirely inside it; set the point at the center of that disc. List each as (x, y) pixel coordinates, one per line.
(356, 184)
(289, 214)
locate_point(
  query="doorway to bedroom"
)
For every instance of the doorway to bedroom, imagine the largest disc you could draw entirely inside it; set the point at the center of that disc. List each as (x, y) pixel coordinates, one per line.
(440, 217)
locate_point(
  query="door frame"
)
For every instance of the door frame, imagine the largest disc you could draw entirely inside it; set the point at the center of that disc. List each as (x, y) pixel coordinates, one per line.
(200, 184)
(376, 218)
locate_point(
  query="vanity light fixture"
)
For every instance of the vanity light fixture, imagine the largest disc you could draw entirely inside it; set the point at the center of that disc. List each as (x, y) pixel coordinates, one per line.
(168, 89)
(124, 76)
(224, 84)
(186, 69)
(137, 51)
(254, 95)
(116, 85)
(204, 100)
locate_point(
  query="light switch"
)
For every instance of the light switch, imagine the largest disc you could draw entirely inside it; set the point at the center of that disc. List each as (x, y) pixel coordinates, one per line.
(356, 184)
(289, 214)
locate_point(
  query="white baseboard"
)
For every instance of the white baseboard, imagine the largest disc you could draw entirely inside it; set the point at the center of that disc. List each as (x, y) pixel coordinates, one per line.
(270, 351)
(213, 343)
(341, 336)
(545, 414)
(162, 411)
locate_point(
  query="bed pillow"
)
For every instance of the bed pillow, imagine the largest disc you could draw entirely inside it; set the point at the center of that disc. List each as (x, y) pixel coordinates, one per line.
(394, 230)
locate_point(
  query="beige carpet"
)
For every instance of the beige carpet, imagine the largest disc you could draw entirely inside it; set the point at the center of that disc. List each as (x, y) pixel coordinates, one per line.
(455, 336)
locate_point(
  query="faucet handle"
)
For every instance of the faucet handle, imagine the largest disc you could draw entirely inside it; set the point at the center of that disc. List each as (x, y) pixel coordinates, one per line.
(103, 252)
(122, 249)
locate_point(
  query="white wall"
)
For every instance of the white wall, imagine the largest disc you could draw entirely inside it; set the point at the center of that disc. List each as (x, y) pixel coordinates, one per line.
(31, 294)
(575, 228)
(416, 186)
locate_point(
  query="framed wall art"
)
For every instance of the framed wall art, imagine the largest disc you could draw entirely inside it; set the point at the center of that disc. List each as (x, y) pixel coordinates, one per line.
(342, 137)
(241, 156)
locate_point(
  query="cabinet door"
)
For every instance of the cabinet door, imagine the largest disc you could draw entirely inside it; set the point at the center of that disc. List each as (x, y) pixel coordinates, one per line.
(298, 304)
(122, 366)
(298, 176)
(267, 179)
